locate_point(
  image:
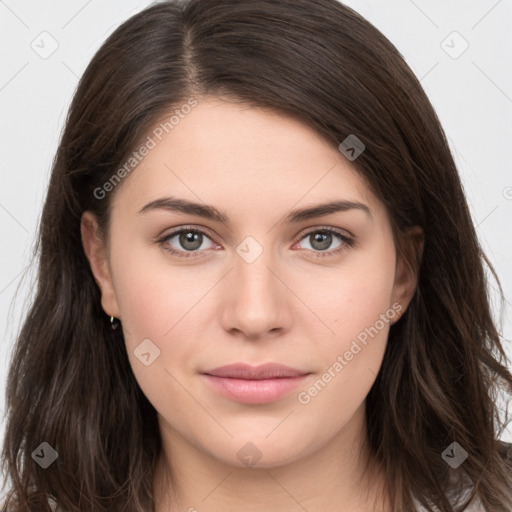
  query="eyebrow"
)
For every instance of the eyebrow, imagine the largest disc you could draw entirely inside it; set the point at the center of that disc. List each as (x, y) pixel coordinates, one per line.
(211, 213)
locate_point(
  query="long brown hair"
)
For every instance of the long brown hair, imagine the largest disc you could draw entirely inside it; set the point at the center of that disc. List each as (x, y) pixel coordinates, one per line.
(70, 383)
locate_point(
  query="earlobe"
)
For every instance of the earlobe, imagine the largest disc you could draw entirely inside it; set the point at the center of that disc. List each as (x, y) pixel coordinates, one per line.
(96, 253)
(408, 267)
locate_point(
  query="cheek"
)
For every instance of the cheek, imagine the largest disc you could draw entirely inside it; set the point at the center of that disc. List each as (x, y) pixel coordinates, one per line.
(350, 358)
(358, 292)
(140, 302)
(159, 303)
(150, 293)
(153, 303)
(358, 313)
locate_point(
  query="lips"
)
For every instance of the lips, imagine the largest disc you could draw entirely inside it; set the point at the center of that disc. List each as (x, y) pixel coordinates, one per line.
(254, 384)
(264, 371)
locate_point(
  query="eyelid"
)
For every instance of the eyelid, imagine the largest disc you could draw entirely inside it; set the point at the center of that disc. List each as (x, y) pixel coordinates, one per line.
(330, 229)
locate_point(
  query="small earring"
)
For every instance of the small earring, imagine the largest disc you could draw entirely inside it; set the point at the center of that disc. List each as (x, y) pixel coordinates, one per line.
(114, 323)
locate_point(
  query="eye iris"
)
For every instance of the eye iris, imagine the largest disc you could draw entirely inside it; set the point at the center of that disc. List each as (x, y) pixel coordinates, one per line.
(324, 239)
(196, 239)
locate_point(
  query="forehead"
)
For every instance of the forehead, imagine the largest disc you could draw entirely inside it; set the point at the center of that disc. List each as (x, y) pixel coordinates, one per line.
(222, 151)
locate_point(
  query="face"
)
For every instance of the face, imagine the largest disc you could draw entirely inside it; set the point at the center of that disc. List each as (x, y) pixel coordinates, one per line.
(258, 283)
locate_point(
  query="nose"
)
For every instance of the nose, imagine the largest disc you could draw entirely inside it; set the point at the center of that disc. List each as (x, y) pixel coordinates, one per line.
(256, 301)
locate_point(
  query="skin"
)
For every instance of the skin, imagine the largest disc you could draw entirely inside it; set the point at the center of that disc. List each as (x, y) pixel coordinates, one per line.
(288, 306)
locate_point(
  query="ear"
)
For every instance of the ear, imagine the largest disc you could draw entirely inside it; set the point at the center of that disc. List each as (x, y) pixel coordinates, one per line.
(95, 250)
(407, 267)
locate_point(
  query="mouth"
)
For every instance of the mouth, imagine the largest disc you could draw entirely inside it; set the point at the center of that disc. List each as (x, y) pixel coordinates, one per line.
(254, 385)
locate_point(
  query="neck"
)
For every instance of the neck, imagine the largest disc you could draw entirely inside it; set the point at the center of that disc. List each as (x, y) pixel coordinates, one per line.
(189, 480)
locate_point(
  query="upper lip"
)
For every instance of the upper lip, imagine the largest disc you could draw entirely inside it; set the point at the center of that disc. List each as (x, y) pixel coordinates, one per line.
(246, 371)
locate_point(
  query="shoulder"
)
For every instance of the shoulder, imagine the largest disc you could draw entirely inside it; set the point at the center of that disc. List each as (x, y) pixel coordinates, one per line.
(474, 506)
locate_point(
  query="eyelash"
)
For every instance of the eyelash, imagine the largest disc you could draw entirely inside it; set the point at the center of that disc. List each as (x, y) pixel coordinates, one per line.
(347, 241)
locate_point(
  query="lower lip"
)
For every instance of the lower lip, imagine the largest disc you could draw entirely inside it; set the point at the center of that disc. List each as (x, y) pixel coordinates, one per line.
(254, 391)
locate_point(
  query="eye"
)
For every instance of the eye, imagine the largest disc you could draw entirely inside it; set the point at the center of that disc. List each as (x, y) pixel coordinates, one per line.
(189, 240)
(321, 239)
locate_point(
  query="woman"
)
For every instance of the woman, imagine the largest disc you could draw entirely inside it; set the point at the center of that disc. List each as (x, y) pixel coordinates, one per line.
(259, 284)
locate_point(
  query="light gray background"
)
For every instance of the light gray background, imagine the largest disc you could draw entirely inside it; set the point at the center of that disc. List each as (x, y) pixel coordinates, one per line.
(471, 92)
